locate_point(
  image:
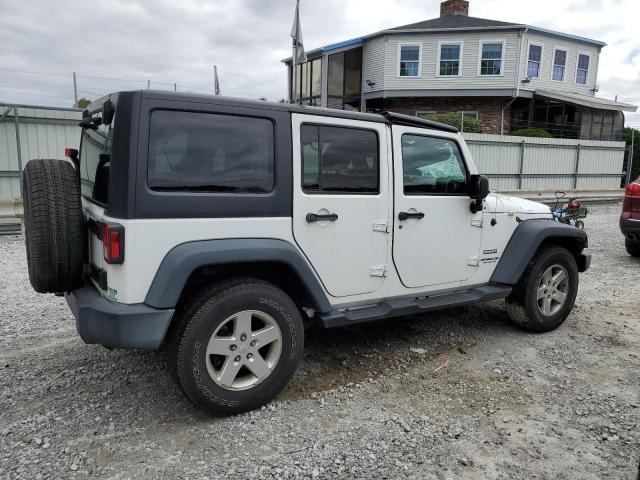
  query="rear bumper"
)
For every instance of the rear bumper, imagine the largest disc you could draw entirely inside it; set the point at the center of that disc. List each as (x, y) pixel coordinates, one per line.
(117, 325)
(630, 228)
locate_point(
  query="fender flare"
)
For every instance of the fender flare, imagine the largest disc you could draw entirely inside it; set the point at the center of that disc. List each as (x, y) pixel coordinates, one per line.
(525, 241)
(182, 260)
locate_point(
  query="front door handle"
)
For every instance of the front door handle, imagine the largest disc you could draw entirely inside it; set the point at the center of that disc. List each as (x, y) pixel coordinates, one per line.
(314, 217)
(407, 215)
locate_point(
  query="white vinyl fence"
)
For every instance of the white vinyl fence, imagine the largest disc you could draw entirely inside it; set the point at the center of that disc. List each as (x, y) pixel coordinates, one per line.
(538, 164)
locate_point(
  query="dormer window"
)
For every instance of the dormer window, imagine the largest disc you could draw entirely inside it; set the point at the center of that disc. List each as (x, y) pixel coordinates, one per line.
(559, 64)
(582, 73)
(409, 64)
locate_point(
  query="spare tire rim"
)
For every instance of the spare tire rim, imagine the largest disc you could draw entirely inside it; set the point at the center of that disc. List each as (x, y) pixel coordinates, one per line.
(244, 350)
(552, 291)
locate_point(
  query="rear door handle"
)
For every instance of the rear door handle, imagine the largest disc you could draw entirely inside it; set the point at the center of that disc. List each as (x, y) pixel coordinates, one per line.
(314, 217)
(408, 215)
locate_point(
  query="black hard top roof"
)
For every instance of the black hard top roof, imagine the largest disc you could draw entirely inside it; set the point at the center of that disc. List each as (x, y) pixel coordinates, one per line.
(383, 117)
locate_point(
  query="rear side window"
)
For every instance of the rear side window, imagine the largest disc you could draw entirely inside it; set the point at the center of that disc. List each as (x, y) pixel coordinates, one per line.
(205, 152)
(95, 161)
(432, 165)
(339, 160)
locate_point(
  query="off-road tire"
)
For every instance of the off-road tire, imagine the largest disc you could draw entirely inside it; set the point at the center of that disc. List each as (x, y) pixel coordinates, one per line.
(522, 304)
(633, 247)
(53, 225)
(198, 319)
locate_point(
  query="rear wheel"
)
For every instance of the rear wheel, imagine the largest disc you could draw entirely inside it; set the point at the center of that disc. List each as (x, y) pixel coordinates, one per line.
(544, 296)
(236, 346)
(53, 225)
(633, 248)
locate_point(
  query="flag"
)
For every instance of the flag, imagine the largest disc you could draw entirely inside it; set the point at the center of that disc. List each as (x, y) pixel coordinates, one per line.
(216, 83)
(296, 33)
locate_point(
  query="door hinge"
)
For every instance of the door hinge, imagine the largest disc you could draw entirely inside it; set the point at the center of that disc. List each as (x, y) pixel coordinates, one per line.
(473, 261)
(476, 222)
(378, 271)
(380, 226)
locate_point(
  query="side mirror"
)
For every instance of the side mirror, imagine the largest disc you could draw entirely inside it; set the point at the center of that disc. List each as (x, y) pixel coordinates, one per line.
(108, 112)
(478, 191)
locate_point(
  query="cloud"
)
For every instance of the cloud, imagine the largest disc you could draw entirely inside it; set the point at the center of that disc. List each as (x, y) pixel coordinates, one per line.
(120, 44)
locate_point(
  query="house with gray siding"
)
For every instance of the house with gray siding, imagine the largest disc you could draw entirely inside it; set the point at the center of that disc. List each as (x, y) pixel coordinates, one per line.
(507, 75)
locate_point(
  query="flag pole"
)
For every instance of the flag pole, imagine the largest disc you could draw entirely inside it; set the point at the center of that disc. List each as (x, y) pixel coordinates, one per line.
(294, 76)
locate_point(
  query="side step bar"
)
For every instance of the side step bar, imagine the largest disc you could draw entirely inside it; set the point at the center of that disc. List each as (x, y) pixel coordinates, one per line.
(407, 306)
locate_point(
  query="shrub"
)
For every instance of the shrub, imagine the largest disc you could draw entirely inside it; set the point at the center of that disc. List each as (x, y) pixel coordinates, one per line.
(470, 124)
(531, 132)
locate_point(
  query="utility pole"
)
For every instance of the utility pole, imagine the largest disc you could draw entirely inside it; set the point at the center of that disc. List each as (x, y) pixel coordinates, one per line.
(75, 91)
(148, 84)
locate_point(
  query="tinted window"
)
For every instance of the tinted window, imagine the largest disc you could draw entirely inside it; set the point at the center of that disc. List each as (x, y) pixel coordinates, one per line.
(210, 153)
(338, 159)
(432, 166)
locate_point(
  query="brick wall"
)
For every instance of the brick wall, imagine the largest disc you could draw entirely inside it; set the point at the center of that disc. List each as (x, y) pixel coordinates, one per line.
(489, 108)
(454, 7)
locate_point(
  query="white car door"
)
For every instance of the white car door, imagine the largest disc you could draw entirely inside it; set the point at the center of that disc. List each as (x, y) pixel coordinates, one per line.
(341, 203)
(436, 237)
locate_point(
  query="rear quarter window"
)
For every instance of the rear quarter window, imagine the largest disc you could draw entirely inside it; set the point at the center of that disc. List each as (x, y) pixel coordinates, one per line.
(95, 161)
(208, 152)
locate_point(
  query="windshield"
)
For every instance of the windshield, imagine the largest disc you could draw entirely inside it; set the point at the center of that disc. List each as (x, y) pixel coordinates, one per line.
(95, 161)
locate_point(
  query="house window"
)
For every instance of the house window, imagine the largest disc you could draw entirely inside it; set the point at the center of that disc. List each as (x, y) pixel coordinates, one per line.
(559, 64)
(535, 58)
(449, 59)
(409, 65)
(491, 58)
(473, 115)
(583, 69)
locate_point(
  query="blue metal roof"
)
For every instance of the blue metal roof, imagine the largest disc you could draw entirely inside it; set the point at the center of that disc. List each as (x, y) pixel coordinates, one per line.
(346, 43)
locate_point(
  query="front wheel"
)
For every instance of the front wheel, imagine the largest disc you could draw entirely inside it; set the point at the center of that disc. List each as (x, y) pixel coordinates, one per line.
(633, 247)
(544, 296)
(236, 346)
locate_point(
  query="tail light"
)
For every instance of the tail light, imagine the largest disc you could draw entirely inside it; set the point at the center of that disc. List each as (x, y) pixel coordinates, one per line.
(71, 153)
(631, 202)
(113, 243)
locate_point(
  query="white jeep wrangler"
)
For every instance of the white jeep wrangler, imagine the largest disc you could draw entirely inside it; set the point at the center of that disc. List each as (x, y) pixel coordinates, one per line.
(221, 228)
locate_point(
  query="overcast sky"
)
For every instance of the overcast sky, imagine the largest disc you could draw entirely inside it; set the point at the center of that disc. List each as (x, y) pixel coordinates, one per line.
(119, 44)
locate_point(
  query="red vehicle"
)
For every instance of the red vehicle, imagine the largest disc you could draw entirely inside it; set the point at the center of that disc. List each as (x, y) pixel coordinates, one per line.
(630, 218)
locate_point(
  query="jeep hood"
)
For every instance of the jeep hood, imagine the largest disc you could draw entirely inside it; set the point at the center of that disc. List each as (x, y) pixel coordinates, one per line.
(497, 203)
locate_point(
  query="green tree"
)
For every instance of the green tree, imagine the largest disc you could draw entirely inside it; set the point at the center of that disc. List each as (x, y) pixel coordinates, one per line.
(468, 124)
(627, 135)
(83, 103)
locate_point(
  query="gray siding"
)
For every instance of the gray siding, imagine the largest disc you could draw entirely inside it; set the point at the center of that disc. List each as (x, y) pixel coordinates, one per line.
(469, 79)
(373, 56)
(569, 84)
(380, 63)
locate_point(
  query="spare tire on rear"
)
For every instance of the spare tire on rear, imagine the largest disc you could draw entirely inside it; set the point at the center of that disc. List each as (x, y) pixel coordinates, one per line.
(53, 225)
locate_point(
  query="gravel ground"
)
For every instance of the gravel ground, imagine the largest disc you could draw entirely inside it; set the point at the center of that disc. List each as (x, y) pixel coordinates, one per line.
(456, 394)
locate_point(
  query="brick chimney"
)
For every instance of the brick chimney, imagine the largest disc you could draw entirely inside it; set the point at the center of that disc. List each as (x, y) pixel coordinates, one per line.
(454, 7)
